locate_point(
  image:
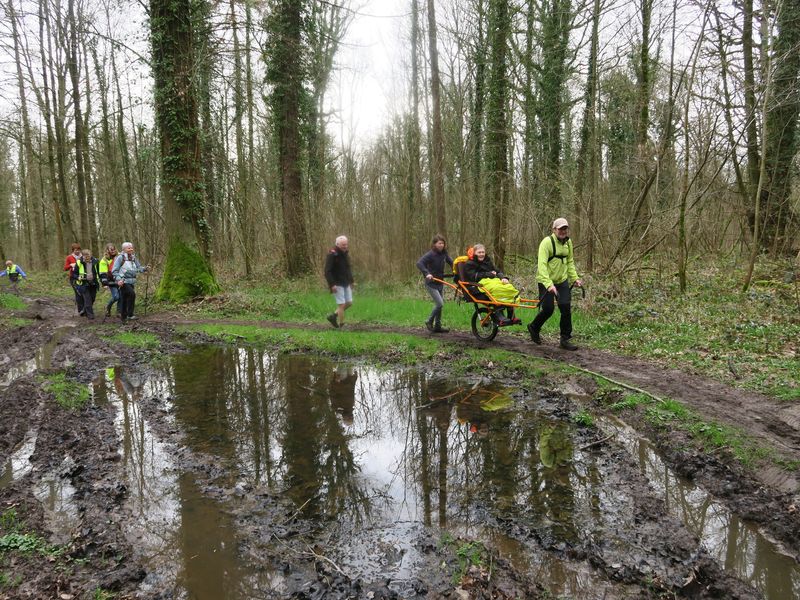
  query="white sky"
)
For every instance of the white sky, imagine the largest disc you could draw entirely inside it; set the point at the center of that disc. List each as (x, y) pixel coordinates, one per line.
(369, 85)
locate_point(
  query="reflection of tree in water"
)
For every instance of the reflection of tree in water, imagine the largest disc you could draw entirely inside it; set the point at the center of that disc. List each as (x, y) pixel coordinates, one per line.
(321, 470)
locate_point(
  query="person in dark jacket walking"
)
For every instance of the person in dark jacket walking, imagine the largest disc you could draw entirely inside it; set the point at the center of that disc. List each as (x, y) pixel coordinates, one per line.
(86, 276)
(431, 264)
(340, 279)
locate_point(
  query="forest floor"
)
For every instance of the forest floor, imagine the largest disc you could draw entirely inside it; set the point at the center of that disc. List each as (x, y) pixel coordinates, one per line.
(98, 558)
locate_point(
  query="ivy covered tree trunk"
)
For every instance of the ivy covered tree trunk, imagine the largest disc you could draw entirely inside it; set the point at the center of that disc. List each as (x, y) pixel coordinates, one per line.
(285, 59)
(172, 28)
(497, 136)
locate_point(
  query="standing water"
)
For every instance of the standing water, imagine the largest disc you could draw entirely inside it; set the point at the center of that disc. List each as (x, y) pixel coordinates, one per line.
(377, 456)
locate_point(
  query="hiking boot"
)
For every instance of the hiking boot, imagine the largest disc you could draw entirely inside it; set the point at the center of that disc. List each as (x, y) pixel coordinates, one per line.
(567, 345)
(440, 329)
(535, 337)
(108, 311)
(429, 325)
(132, 318)
(332, 320)
(516, 321)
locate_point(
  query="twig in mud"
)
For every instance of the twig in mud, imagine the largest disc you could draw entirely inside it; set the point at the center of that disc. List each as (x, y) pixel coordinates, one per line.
(596, 442)
(297, 512)
(326, 559)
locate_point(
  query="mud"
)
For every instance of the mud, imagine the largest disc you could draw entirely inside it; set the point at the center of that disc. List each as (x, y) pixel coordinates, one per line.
(278, 547)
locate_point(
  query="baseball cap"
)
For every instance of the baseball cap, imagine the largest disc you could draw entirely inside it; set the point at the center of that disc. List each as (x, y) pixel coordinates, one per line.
(559, 223)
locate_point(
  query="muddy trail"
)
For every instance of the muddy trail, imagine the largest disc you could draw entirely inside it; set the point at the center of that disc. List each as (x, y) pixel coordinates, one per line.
(202, 470)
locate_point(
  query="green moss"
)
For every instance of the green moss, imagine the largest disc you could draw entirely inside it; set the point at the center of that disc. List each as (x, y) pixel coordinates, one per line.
(186, 275)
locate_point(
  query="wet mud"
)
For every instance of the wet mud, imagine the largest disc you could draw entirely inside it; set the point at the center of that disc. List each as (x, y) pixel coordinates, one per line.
(220, 472)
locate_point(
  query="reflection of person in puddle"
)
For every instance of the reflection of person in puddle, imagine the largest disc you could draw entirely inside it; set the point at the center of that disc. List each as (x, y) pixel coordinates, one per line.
(473, 416)
(342, 392)
(555, 449)
(555, 452)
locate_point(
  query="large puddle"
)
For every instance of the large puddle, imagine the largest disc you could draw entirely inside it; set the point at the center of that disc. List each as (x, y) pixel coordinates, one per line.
(377, 456)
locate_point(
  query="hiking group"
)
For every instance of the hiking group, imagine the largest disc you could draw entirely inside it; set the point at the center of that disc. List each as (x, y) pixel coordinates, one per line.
(116, 271)
(555, 276)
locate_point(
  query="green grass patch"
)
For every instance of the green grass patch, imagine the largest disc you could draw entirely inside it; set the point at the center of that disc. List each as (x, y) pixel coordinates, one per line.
(101, 594)
(713, 436)
(142, 340)
(631, 401)
(400, 349)
(583, 418)
(68, 394)
(11, 302)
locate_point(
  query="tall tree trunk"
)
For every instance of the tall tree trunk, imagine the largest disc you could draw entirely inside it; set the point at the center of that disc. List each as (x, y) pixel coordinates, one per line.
(87, 156)
(586, 151)
(173, 24)
(26, 155)
(478, 111)
(80, 174)
(437, 146)
(242, 194)
(285, 72)
(753, 159)
(781, 127)
(63, 218)
(497, 135)
(414, 192)
(124, 152)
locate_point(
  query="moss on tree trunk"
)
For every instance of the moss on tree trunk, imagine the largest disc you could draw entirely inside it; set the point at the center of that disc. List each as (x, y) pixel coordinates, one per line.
(186, 274)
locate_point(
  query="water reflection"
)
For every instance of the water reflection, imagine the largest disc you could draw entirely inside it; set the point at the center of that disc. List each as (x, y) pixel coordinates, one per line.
(368, 451)
(739, 546)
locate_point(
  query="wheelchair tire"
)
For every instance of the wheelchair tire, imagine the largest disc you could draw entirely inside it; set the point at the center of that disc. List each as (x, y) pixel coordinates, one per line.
(485, 332)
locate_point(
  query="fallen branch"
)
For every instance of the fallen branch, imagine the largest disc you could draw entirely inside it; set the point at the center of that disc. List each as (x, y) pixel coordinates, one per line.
(596, 443)
(620, 383)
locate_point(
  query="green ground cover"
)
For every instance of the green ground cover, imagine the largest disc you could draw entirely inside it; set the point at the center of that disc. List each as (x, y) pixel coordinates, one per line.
(747, 339)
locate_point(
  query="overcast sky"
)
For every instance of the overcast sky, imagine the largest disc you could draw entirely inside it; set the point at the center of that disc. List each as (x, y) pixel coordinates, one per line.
(369, 85)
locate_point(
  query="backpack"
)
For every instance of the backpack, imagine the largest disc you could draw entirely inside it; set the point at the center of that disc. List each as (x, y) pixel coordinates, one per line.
(459, 260)
(555, 256)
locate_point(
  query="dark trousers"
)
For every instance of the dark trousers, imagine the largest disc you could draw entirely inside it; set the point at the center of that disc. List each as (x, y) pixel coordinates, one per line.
(127, 300)
(88, 293)
(78, 296)
(546, 308)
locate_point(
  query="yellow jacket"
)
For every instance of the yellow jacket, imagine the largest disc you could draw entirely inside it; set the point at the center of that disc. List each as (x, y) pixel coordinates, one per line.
(556, 262)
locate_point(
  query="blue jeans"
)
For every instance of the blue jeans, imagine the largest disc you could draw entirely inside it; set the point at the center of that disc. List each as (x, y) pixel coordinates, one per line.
(114, 298)
(438, 302)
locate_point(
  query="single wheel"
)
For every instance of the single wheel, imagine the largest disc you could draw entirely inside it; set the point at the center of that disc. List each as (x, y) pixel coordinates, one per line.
(483, 327)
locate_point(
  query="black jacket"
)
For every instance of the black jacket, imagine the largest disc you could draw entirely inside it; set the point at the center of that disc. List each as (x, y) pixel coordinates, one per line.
(433, 262)
(337, 268)
(475, 270)
(74, 275)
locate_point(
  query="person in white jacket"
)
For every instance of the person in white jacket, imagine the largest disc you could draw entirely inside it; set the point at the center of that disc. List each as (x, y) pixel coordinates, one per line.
(124, 271)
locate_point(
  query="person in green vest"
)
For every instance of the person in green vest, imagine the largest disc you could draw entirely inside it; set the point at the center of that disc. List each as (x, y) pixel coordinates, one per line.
(86, 277)
(556, 275)
(107, 280)
(13, 272)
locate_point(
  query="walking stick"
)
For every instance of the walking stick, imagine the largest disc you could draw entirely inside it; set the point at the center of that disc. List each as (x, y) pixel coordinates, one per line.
(146, 292)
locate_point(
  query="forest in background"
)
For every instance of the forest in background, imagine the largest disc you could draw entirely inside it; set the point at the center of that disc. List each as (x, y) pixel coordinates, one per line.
(204, 133)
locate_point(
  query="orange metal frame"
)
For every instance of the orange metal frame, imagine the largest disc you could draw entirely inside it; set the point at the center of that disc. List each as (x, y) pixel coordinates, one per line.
(492, 302)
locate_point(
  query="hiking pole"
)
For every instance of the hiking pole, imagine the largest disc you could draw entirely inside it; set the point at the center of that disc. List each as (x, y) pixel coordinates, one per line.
(146, 292)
